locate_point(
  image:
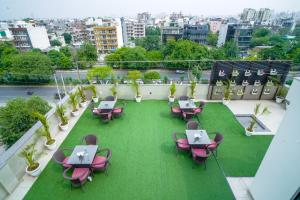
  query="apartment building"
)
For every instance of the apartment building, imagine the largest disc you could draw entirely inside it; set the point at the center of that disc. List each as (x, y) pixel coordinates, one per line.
(249, 14)
(215, 24)
(171, 33)
(197, 33)
(241, 33)
(264, 16)
(27, 36)
(108, 36)
(132, 29)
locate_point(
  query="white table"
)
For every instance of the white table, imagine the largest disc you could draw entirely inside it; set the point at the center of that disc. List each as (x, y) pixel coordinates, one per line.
(187, 104)
(197, 137)
(86, 160)
(107, 105)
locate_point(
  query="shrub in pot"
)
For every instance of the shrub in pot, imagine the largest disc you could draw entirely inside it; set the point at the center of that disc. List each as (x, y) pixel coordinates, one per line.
(50, 143)
(92, 88)
(281, 94)
(29, 153)
(60, 112)
(114, 91)
(81, 94)
(192, 89)
(136, 87)
(227, 92)
(257, 112)
(74, 102)
(172, 92)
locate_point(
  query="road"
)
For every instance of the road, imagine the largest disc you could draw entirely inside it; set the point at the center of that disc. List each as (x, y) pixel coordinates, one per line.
(172, 75)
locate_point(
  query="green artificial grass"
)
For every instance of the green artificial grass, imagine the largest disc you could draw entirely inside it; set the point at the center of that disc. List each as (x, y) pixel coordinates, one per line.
(144, 161)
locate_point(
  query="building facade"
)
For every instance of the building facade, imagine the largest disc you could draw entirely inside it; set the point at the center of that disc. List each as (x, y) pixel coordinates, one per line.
(197, 33)
(171, 33)
(249, 14)
(264, 16)
(215, 24)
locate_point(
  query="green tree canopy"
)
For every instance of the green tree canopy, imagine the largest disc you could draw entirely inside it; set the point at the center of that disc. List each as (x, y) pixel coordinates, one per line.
(231, 49)
(59, 59)
(274, 53)
(87, 54)
(55, 43)
(212, 39)
(134, 75)
(100, 73)
(152, 75)
(261, 32)
(67, 37)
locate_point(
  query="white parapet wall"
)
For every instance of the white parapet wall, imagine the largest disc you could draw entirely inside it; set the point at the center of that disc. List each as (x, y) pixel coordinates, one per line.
(152, 91)
(278, 176)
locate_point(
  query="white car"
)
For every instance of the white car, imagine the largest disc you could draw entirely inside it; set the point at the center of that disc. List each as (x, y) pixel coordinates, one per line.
(179, 71)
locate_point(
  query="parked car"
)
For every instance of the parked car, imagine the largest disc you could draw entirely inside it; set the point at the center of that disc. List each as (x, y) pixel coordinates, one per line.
(179, 71)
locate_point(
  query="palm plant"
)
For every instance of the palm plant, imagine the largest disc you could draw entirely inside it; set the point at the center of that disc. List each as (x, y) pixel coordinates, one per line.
(29, 154)
(81, 94)
(256, 114)
(193, 87)
(45, 132)
(60, 112)
(136, 88)
(92, 88)
(113, 90)
(172, 90)
(227, 92)
(73, 101)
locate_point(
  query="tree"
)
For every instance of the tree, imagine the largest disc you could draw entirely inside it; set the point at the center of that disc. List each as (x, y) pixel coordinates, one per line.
(59, 59)
(212, 39)
(66, 51)
(231, 49)
(100, 73)
(55, 43)
(113, 59)
(16, 119)
(134, 75)
(152, 31)
(68, 38)
(133, 54)
(30, 67)
(151, 42)
(261, 32)
(154, 56)
(217, 53)
(274, 53)
(152, 75)
(87, 54)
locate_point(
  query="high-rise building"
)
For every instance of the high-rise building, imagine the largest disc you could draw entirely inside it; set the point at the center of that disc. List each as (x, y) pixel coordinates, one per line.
(249, 14)
(171, 33)
(241, 33)
(264, 16)
(132, 29)
(197, 33)
(27, 36)
(108, 36)
(143, 17)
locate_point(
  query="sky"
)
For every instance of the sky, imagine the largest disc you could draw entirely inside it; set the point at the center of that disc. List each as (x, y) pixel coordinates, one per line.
(16, 9)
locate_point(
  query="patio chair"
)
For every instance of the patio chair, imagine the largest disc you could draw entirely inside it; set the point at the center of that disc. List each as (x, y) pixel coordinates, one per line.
(106, 116)
(60, 158)
(187, 115)
(181, 143)
(200, 155)
(200, 108)
(96, 111)
(192, 125)
(176, 111)
(79, 176)
(117, 112)
(90, 139)
(109, 98)
(183, 98)
(213, 147)
(101, 163)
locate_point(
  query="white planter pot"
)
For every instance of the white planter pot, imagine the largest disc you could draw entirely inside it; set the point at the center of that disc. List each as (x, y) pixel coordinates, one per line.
(35, 172)
(95, 99)
(75, 113)
(225, 101)
(248, 133)
(138, 99)
(171, 99)
(64, 127)
(192, 99)
(51, 146)
(83, 104)
(279, 99)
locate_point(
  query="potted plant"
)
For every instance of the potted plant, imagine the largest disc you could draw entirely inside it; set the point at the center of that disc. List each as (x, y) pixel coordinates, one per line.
(172, 92)
(227, 93)
(74, 102)
(29, 153)
(257, 112)
(281, 94)
(50, 143)
(81, 94)
(192, 90)
(92, 88)
(113, 90)
(136, 87)
(60, 112)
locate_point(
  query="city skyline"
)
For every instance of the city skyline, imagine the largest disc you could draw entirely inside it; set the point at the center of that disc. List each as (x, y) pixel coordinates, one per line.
(13, 9)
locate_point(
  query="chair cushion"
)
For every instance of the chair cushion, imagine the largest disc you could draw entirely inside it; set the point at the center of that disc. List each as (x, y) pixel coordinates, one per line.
(197, 110)
(213, 145)
(82, 173)
(199, 152)
(65, 161)
(117, 110)
(176, 110)
(99, 162)
(183, 141)
(96, 111)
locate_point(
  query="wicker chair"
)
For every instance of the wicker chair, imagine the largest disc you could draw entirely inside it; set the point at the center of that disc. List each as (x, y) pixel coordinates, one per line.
(79, 176)
(60, 158)
(183, 98)
(109, 98)
(192, 125)
(181, 143)
(100, 162)
(90, 140)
